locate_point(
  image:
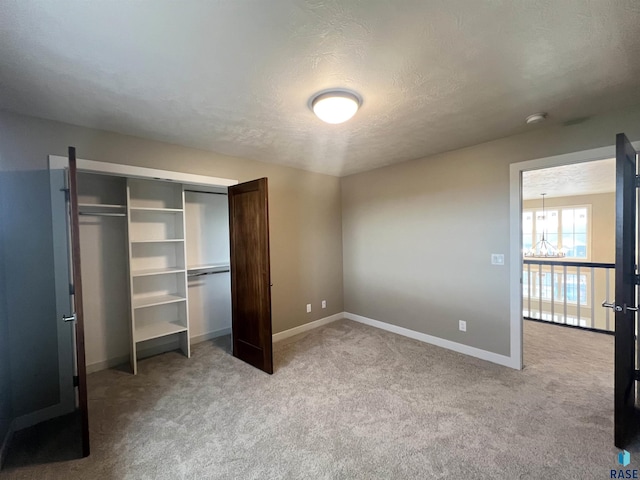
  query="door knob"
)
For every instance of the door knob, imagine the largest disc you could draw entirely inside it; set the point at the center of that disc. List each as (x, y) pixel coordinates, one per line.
(608, 305)
(618, 308)
(69, 318)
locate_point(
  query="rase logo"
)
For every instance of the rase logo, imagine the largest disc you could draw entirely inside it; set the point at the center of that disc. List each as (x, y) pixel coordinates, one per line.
(624, 459)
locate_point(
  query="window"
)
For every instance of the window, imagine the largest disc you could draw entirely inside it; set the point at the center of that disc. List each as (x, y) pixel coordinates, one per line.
(566, 228)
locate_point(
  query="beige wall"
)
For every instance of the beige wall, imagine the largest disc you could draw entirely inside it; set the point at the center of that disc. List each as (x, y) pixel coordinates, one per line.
(603, 221)
(305, 233)
(417, 236)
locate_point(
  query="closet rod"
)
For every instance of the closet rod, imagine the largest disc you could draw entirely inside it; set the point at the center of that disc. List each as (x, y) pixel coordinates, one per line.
(98, 214)
(205, 273)
(201, 191)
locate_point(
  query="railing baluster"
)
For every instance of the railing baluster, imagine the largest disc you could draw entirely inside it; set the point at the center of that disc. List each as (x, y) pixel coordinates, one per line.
(608, 287)
(540, 291)
(564, 293)
(529, 289)
(553, 294)
(578, 295)
(593, 296)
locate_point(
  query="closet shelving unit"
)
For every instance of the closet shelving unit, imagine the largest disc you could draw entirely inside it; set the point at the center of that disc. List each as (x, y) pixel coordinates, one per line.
(157, 263)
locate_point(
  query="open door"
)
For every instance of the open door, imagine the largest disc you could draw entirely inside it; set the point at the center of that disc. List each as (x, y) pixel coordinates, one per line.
(626, 287)
(77, 315)
(250, 274)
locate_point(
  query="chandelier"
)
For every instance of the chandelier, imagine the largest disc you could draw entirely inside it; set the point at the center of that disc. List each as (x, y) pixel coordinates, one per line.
(544, 249)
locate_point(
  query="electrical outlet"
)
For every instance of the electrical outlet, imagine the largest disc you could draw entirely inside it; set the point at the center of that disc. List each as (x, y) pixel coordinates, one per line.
(462, 325)
(308, 308)
(324, 304)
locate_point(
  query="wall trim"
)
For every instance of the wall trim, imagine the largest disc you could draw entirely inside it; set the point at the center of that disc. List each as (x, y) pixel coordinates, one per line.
(276, 337)
(155, 350)
(123, 170)
(4, 445)
(437, 341)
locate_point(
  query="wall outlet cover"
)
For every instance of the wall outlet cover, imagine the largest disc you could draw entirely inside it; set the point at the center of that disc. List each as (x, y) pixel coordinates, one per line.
(308, 308)
(462, 325)
(324, 304)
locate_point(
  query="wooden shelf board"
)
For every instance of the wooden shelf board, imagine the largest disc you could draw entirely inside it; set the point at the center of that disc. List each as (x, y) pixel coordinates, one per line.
(156, 271)
(157, 330)
(101, 205)
(213, 267)
(156, 300)
(159, 240)
(156, 209)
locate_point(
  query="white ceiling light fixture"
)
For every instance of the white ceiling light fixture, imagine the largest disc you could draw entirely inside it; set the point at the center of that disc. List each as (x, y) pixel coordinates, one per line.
(536, 118)
(336, 105)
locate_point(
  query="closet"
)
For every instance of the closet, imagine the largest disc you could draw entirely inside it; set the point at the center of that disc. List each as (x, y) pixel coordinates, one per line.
(148, 261)
(155, 267)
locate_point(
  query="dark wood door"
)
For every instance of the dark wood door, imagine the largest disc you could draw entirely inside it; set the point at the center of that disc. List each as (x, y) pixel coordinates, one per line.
(250, 273)
(626, 301)
(77, 301)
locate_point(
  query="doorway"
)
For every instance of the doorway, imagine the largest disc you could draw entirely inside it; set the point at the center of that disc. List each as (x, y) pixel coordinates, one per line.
(523, 232)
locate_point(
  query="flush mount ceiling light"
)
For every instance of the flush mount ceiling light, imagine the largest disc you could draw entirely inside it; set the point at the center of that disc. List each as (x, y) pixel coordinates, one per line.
(335, 106)
(536, 118)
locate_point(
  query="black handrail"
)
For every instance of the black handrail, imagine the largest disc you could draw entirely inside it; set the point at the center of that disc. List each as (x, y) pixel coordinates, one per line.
(528, 261)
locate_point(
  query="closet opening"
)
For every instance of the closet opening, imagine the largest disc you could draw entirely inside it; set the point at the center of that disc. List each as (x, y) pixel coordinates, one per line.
(155, 268)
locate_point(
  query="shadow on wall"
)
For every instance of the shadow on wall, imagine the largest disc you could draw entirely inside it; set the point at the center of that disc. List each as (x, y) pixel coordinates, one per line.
(29, 290)
(6, 411)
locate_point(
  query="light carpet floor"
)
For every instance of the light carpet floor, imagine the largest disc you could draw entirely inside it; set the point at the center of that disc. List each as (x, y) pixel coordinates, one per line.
(348, 401)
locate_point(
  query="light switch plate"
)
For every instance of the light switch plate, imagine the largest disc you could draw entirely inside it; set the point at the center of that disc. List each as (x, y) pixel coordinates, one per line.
(497, 259)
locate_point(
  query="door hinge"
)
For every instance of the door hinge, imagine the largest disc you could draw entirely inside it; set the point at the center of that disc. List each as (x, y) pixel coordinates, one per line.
(636, 279)
(76, 381)
(636, 375)
(637, 181)
(72, 290)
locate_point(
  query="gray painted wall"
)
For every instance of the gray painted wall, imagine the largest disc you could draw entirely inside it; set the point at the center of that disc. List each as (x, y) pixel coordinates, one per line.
(417, 236)
(306, 236)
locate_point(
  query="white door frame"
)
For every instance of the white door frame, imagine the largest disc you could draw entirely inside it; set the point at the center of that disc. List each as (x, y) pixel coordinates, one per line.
(66, 348)
(515, 231)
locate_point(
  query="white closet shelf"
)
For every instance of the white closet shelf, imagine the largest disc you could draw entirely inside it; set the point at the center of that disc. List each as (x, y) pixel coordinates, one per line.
(156, 209)
(160, 240)
(101, 205)
(156, 271)
(212, 268)
(156, 300)
(158, 329)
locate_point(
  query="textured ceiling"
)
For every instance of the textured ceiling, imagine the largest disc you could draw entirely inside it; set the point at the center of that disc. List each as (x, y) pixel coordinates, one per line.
(578, 179)
(235, 76)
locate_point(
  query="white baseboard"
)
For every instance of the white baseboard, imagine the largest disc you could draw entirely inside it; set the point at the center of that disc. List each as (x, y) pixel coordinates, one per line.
(211, 335)
(38, 416)
(440, 342)
(4, 445)
(306, 327)
(155, 350)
